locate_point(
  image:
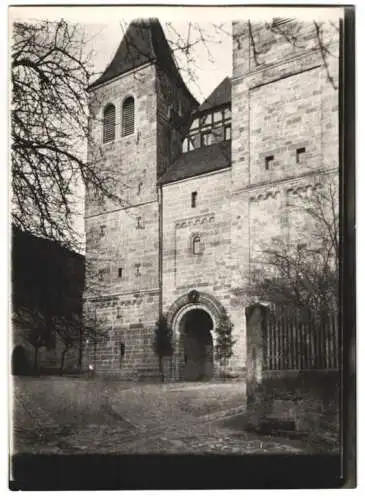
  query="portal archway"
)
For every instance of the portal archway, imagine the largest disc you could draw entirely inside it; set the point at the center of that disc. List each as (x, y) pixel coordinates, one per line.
(190, 314)
(196, 344)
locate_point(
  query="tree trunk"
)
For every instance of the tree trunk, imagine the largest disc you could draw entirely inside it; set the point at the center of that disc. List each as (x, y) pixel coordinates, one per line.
(35, 364)
(63, 355)
(81, 346)
(170, 366)
(160, 367)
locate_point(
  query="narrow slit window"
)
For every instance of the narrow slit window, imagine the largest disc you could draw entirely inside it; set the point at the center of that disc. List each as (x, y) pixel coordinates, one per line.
(122, 352)
(227, 133)
(138, 272)
(139, 222)
(299, 154)
(109, 123)
(128, 117)
(269, 160)
(120, 272)
(194, 196)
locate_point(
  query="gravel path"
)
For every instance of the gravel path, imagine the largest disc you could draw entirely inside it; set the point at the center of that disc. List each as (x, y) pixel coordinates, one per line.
(77, 416)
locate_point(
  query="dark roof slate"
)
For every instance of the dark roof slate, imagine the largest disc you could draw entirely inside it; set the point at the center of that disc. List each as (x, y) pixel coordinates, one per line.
(143, 42)
(220, 95)
(197, 162)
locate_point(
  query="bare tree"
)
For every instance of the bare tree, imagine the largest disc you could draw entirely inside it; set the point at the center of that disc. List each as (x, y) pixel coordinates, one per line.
(36, 329)
(73, 334)
(314, 36)
(50, 71)
(304, 274)
(162, 343)
(225, 342)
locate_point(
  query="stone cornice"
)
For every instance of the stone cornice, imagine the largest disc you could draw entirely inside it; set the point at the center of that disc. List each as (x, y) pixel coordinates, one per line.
(193, 221)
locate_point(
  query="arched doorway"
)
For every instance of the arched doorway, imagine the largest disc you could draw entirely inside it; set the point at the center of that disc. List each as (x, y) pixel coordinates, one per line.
(196, 344)
(194, 315)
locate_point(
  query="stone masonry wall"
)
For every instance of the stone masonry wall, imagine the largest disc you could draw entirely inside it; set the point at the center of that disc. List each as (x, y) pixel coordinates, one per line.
(282, 100)
(122, 238)
(211, 270)
(131, 318)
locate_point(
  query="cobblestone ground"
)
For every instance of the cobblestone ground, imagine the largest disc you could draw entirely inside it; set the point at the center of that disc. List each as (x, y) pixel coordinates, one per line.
(72, 416)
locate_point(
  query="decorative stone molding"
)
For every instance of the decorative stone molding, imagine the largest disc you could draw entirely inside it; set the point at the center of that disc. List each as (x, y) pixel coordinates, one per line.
(304, 190)
(192, 221)
(207, 301)
(272, 193)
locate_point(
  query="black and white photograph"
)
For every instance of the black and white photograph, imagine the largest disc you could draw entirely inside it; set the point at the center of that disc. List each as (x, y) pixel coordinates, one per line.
(181, 247)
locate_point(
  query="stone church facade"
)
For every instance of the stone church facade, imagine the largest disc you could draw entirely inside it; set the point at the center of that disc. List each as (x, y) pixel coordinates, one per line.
(199, 189)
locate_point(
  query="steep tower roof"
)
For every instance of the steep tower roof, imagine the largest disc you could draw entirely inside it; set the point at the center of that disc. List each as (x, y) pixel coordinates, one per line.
(143, 42)
(220, 95)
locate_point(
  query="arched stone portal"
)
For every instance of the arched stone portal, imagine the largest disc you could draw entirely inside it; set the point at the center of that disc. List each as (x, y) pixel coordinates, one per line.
(193, 318)
(196, 343)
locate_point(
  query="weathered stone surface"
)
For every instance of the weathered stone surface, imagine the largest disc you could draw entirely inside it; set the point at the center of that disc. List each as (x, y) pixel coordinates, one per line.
(140, 256)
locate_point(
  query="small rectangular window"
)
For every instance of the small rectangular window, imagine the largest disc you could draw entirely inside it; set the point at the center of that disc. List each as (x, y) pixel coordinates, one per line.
(206, 120)
(227, 133)
(193, 199)
(194, 142)
(207, 139)
(120, 272)
(269, 160)
(218, 116)
(195, 123)
(299, 154)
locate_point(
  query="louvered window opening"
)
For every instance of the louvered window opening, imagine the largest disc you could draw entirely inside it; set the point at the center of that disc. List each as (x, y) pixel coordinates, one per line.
(109, 124)
(128, 117)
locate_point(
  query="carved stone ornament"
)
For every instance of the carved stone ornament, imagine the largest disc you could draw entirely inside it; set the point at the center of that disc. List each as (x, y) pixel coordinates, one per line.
(193, 296)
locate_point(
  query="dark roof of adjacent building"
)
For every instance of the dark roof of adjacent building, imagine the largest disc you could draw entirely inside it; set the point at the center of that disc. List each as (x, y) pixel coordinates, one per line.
(199, 161)
(45, 272)
(143, 42)
(221, 95)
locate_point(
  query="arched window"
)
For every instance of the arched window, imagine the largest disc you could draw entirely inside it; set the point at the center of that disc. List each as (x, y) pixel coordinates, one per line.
(196, 245)
(128, 116)
(109, 123)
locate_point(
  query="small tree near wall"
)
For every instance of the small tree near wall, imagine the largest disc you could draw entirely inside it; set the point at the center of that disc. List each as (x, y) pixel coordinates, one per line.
(224, 342)
(162, 344)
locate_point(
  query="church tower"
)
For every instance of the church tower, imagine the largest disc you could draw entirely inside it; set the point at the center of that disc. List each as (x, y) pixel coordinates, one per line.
(139, 111)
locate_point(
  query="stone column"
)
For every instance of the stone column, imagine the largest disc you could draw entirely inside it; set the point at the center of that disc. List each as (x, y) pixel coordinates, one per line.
(256, 324)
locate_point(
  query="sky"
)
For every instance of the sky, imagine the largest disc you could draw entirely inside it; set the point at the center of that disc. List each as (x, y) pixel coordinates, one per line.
(202, 70)
(206, 65)
(210, 64)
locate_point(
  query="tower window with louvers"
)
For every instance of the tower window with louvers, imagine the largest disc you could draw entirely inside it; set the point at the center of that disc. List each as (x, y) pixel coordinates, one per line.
(128, 117)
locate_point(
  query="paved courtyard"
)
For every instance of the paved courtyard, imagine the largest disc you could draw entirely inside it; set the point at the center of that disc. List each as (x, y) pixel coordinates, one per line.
(82, 416)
